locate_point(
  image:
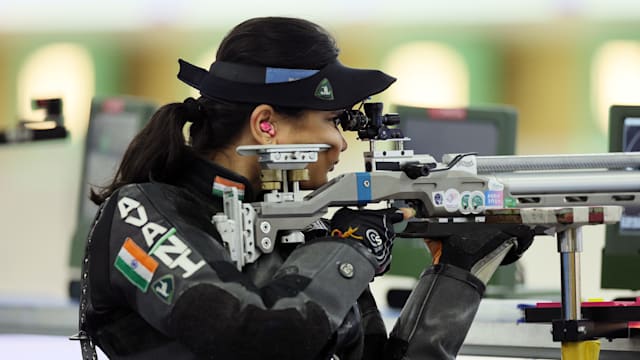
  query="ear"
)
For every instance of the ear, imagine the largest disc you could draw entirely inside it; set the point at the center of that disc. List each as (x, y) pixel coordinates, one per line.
(263, 124)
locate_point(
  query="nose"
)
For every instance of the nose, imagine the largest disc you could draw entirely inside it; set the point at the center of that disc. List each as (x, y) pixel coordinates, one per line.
(344, 143)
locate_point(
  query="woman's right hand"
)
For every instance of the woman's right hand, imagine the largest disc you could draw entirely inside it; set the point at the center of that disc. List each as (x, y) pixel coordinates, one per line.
(373, 228)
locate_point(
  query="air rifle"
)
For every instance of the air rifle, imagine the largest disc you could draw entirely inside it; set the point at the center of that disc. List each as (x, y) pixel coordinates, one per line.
(550, 193)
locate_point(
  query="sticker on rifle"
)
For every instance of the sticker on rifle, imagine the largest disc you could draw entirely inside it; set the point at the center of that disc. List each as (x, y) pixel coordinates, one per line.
(465, 204)
(538, 216)
(477, 202)
(495, 185)
(438, 198)
(451, 200)
(494, 199)
(510, 203)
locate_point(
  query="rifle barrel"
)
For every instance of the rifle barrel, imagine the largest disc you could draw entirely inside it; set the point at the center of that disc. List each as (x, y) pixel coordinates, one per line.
(611, 161)
(571, 182)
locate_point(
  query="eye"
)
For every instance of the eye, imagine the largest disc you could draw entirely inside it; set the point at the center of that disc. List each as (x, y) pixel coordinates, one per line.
(336, 118)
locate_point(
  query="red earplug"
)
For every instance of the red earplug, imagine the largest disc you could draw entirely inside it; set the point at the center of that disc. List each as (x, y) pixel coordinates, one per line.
(266, 127)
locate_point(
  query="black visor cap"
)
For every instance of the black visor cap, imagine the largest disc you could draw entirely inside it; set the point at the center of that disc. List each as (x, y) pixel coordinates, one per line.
(333, 87)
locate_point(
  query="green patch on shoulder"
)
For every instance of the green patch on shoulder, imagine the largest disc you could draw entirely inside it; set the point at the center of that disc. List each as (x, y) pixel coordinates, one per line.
(164, 287)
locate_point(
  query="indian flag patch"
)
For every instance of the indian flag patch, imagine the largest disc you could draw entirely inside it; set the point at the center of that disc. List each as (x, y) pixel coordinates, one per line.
(135, 264)
(221, 184)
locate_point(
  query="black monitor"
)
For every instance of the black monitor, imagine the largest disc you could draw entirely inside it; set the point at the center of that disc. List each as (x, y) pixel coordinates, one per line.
(113, 122)
(621, 253)
(485, 130)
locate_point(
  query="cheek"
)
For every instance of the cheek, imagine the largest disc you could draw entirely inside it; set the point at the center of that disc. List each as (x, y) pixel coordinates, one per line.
(334, 139)
(318, 171)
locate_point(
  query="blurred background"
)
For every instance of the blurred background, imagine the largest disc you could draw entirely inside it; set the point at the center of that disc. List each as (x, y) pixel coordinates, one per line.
(560, 63)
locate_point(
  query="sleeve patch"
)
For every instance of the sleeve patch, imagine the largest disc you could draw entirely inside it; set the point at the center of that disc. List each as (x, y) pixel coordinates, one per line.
(163, 288)
(135, 264)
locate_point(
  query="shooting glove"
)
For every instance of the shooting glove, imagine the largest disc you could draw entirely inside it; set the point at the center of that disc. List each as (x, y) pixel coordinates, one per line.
(483, 250)
(524, 236)
(373, 228)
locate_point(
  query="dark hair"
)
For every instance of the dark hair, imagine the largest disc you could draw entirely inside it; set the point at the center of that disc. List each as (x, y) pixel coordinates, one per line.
(159, 150)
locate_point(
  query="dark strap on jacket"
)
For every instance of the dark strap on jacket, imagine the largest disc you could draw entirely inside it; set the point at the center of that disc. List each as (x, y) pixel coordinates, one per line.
(86, 344)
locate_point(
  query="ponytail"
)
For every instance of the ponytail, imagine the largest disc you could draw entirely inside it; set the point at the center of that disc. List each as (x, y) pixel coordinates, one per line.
(158, 151)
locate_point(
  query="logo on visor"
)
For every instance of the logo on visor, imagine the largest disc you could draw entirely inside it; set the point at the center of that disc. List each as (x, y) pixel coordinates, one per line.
(324, 91)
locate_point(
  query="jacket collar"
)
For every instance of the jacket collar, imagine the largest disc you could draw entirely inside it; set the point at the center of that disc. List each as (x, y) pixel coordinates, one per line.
(209, 179)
